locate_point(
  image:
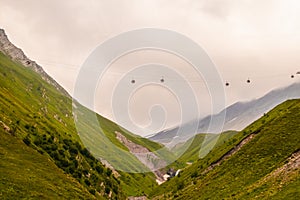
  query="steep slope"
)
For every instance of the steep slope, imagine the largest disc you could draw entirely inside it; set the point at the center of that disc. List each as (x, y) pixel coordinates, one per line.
(238, 115)
(36, 112)
(260, 162)
(23, 172)
(34, 108)
(16, 54)
(189, 151)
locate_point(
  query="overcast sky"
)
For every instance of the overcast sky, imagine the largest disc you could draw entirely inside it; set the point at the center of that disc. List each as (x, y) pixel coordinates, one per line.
(256, 39)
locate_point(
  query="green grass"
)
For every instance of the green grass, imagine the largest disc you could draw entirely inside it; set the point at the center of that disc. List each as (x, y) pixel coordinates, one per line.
(189, 151)
(103, 143)
(40, 115)
(26, 174)
(239, 176)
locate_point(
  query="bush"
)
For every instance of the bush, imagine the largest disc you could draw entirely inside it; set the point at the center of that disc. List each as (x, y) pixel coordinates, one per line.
(99, 169)
(107, 190)
(92, 191)
(27, 126)
(77, 174)
(73, 149)
(108, 172)
(71, 169)
(55, 155)
(180, 185)
(87, 182)
(85, 172)
(115, 190)
(27, 141)
(194, 174)
(78, 146)
(37, 142)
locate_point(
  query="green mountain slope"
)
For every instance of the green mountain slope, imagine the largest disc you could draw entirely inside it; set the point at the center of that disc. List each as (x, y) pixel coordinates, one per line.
(261, 162)
(107, 146)
(27, 174)
(41, 115)
(189, 151)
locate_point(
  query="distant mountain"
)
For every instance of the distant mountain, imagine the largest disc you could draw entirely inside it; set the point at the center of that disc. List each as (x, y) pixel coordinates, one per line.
(260, 162)
(238, 115)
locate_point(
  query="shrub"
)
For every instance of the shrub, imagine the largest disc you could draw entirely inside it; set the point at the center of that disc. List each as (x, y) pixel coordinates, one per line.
(194, 174)
(180, 185)
(73, 149)
(108, 172)
(107, 190)
(27, 141)
(99, 169)
(87, 182)
(92, 191)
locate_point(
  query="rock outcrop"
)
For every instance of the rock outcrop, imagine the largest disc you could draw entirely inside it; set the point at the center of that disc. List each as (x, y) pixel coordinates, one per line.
(148, 158)
(16, 54)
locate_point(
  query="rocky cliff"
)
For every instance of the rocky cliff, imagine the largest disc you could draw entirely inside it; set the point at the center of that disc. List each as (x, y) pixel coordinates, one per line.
(18, 55)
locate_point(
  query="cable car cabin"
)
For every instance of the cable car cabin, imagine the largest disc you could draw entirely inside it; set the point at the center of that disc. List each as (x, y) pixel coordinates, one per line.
(227, 84)
(132, 81)
(248, 81)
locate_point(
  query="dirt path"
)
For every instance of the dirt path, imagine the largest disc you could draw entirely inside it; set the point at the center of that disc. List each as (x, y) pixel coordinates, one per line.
(230, 153)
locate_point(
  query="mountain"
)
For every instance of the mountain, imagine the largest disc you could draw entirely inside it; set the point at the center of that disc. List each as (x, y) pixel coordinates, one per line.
(188, 151)
(16, 54)
(24, 171)
(260, 162)
(43, 155)
(238, 115)
(38, 111)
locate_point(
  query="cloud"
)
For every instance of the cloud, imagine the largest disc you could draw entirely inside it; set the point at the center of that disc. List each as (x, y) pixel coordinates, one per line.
(244, 38)
(217, 8)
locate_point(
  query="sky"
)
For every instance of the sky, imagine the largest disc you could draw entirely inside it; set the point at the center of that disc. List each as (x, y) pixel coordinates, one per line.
(245, 39)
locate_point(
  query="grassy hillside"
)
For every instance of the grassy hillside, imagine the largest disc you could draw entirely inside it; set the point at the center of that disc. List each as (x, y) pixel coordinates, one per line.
(261, 168)
(42, 153)
(107, 146)
(40, 115)
(27, 174)
(189, 151)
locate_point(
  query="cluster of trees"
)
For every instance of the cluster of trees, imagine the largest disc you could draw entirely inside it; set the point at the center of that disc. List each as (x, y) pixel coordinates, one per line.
(75, 160)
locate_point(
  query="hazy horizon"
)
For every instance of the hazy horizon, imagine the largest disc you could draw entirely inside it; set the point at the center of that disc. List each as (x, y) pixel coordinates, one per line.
(245, 39)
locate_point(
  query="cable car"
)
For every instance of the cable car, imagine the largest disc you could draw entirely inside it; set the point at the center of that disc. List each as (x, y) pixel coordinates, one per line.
(227, 84)
(132, 81)
(248, 81)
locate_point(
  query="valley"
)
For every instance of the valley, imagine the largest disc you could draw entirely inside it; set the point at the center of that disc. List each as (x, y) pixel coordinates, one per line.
(44, 156)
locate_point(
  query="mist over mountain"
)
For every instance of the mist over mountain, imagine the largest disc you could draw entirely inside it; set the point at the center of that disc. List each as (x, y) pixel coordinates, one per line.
(238, 115)
(43, 155)
(37, 116)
